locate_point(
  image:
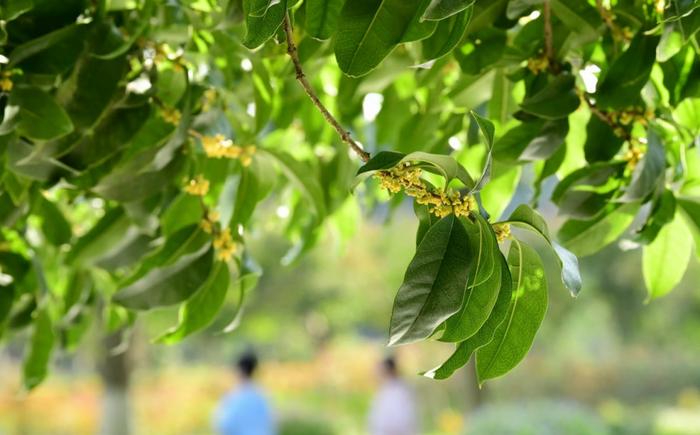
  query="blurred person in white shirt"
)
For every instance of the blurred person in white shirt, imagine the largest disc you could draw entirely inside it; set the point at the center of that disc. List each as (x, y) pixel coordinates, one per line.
(393, 410)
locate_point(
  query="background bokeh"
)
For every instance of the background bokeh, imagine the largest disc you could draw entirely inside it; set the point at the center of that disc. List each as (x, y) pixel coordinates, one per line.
(604, 363)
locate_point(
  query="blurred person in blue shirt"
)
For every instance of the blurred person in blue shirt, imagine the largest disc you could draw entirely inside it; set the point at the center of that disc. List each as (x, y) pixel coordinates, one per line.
(245, 411)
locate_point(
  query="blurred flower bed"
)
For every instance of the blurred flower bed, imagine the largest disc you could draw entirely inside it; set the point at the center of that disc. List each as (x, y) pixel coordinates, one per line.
(330, 394)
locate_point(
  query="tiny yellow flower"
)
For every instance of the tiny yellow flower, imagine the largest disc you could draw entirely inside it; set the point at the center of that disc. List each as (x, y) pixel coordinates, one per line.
(213, 216)
(223, 238)
(219, 146)
(206, 226)
(223, 243)
(443, 210)
(246, 160)
(198, 186)
(538, 64)
(660, 6)
(209, 98)
(232, 152)
(626, 118)
(633, 156)
(6, 84)
(502, 231)
(171, 115)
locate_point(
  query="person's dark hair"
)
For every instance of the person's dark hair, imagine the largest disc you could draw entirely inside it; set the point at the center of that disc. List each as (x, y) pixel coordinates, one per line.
(247, 363)
(389, 365)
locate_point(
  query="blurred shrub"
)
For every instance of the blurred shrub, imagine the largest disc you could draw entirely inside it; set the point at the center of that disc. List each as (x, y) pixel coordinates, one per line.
(540, 417)
(305, 425)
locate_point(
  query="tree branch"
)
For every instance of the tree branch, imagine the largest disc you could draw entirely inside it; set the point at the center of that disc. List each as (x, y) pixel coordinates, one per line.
(604, 116)
(548, 44)
(301, 78)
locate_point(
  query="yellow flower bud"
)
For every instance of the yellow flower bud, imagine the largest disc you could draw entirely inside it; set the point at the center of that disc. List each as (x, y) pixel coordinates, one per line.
(6, 84)
(198, 186)
(223, 243)
(502, 231)
(171, 115)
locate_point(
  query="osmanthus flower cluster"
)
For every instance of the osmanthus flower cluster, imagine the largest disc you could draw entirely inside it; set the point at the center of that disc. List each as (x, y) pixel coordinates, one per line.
(218, 146)
(441, 202)
(222, 241)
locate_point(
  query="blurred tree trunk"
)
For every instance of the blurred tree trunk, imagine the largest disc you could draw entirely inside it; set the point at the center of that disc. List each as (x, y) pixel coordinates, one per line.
(115, 368)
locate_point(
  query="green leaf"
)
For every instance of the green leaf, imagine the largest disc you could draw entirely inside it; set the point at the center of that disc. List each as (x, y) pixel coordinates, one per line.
(536, 140)
(258, 8)
(171, 84)
(244, 285)
(662, 212)
(623, 81)
(259, 29)
(185, 210)
(590, 236)
(105, 233)
(526, 217)
(515, 335)
(185, 241)
(516, 8)
(170, 284)
(37, 359)
(35, 46)
(91, 86)
(484, 336)
(418, 28)
(487, 129)
(15, 8)
(322, 17)
(556, 100)
(444, 165)
(380, 161)
(7, 297)
(254, 185)
(648, 173)
(691, 211)
(126, 186)
(54, 225)
(35, 115)
(485, 126)
(434, 283)
(447, 36)
(580, 17)
(482, 51)
(124, 47)
(425, 220)
(483, 283)
(200, 310)
(601, 141)
(303, 178)
(106, 140)
(665, 260)
(369, 30)
(264, 95)
(441, 9)
(585, 192)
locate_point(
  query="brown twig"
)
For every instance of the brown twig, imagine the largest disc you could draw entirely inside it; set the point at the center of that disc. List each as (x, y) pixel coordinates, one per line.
(548, 44)
(605, 117)
(301, 78)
